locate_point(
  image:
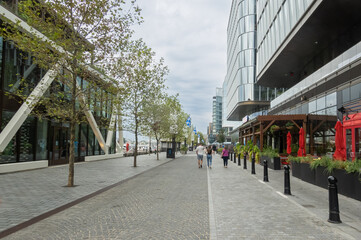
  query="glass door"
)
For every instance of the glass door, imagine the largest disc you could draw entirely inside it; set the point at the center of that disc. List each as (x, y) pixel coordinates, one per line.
(60, 146)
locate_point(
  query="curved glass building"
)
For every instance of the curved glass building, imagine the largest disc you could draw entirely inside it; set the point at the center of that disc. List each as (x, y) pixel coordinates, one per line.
(242, 95)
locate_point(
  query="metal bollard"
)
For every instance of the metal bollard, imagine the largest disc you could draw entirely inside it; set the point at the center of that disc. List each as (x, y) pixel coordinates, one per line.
(234, 158)
(287, 180)
(239, 159)
(265, 171)
(231, 156)
(253, 165)
(334, 213)
(245, 162)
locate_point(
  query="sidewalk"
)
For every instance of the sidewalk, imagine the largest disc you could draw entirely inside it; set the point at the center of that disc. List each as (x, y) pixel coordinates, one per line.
(26, 195)
(246, 206)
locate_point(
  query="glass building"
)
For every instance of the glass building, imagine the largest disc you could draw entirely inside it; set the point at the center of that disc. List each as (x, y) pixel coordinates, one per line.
(242, 95)
(45, 140)
(313, 48)
(217, 112)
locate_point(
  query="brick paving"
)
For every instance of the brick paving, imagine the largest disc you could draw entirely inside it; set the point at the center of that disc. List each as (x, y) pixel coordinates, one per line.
(25, 195)
(175, 200)
(168, 202)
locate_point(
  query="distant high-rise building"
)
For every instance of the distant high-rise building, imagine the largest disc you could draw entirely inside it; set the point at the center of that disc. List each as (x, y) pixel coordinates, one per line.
(217, 111)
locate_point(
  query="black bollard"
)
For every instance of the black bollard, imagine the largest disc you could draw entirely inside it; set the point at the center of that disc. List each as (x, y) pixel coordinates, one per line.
(245, 162)
(253, 165)
(265, 171)
(287, 180)
(334, 216)
(234, 158)
(239, 159)
(231, 157)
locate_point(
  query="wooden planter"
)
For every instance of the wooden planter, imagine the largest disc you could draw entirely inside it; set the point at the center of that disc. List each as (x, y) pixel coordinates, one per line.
(348, 184)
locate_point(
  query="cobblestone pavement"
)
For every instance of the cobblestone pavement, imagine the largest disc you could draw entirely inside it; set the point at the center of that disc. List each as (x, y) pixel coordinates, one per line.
(25, 195)
(246, 208)
(174, 201)
(167, 202)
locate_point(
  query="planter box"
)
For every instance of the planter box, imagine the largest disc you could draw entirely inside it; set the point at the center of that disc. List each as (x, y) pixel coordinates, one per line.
(347, 184)
(273, 163)
(307, 174)
(296, 169)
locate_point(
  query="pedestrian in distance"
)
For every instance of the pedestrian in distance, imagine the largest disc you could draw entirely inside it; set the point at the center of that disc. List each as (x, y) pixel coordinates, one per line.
(200, 152)
(225, 156)
(214, 148)
(209, 156)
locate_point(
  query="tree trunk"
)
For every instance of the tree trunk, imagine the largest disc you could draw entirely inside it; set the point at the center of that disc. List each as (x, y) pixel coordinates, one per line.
(72, 134)
(136, 144)
(157, 149)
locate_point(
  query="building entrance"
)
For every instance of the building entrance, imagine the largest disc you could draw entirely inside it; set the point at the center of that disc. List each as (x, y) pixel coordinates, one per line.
(61, 142)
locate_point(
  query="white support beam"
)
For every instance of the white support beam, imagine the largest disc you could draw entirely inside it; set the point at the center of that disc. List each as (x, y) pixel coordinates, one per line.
(93, 124)
(111, 128)
(20, 116)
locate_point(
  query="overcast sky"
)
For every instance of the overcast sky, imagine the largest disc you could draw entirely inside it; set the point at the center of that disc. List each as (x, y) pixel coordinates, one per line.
(191, 36)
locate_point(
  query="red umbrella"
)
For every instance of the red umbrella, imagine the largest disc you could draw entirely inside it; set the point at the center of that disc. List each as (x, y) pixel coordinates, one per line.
(301, 143)
(340, 153)
(127, 147)
(289, 139)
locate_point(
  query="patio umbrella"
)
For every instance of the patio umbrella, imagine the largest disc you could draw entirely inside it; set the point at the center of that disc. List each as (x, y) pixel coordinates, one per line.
(340, 153)
(289, 139)
(301, 143)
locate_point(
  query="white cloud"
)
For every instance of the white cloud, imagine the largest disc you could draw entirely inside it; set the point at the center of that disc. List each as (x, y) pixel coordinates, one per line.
(191, 36)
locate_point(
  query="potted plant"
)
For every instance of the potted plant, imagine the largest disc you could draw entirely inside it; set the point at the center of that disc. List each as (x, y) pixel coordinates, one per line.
(274, 128)
(289, 125)
(272, 157)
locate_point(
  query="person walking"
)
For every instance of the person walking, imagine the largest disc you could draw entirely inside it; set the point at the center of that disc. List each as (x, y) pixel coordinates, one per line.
(225, 156)
(209, 156)
(200, 152)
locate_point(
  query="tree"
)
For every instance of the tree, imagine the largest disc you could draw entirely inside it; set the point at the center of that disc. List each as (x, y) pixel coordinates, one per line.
(70, 35)
(221, 137)
(142, 79)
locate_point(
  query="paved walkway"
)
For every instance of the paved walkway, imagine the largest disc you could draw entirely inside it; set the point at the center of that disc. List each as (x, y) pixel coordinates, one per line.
(175, 200)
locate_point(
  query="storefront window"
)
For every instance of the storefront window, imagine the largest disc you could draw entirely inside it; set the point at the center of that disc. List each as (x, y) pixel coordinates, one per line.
(91, 142)
(27, 140)
(83, 139)
(41, 146)
(9, 154)
(349, 144)
(357, 143)
(356, 91)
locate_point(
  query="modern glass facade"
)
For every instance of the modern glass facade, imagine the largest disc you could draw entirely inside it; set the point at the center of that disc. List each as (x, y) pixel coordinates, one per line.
(43, 139)
(239, 84)
(275, 21)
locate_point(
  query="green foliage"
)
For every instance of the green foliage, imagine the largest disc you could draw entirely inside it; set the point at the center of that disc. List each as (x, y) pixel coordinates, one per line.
(354, 166)
(330, 164)
(184, 148)
(294, 148)
(219, 150)
(274, 128)
(220, 136)
(269, 152)
(289, 124)
(323, 161)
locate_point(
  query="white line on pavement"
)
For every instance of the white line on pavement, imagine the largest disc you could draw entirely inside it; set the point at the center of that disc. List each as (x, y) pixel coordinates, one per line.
(282, 194)
(261, 181)
(212, 218)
